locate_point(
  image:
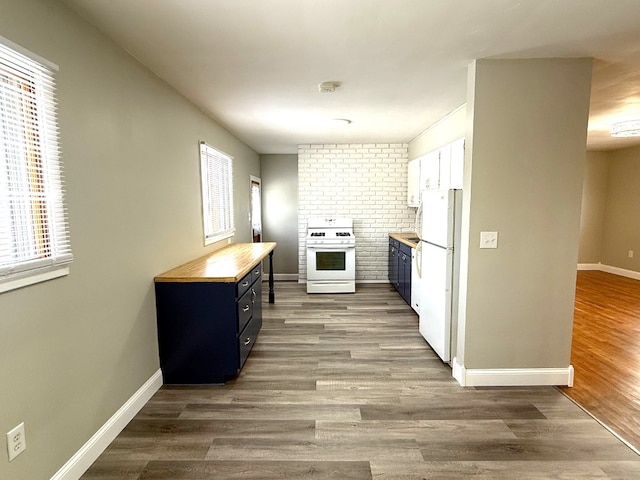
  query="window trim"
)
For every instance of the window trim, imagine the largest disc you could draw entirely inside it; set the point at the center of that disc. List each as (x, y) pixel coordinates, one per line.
(210, 234)
(14, 275)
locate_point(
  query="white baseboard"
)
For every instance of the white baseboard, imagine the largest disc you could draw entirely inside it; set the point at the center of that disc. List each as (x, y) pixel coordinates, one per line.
(508, 377)
(621, 271)
(90, 451)
(304, 280)
(282, 277)
(609, 269)
(589, 266)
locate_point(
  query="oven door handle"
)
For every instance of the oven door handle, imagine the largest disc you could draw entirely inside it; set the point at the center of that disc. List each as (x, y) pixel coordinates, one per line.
(330, 247)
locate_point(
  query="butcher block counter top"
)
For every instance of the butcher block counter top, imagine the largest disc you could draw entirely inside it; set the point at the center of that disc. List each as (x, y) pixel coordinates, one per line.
(408, 238)
(229, 264)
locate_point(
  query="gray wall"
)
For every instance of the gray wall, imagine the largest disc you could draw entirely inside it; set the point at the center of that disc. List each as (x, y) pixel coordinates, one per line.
(622, 223)
(280, 211)
(524, 165)
(609, 225)
(73, 350)
(594, 199)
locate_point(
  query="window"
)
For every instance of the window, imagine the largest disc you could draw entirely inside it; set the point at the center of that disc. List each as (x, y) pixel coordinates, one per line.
(34, 236)
(217, 194)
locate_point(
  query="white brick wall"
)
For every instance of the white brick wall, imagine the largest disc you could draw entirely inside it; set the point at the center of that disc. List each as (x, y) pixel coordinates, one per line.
(367, 182)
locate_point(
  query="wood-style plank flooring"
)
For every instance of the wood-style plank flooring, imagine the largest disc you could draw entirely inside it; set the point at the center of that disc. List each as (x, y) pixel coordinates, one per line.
(344, 387)
(605, 352)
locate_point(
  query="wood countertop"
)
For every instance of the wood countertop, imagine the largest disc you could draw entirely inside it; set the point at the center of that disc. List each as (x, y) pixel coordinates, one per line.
(229, 264)
(408, 238)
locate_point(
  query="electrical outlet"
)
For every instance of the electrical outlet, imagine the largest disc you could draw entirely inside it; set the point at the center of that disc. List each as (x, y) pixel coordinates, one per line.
(630, 253)
(16, 441)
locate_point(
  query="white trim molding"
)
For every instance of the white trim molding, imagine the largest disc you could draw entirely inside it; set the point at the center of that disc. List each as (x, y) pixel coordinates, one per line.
(508, 377)
(33, 279)
(589, 266)
(623, 272)
(285, 277)
(98, 443)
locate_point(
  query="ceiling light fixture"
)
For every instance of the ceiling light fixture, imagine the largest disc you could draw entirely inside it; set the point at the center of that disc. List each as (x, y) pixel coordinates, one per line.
(626, 128)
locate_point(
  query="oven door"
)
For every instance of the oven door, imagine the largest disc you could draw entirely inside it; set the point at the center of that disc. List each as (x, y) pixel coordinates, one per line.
(331, 262)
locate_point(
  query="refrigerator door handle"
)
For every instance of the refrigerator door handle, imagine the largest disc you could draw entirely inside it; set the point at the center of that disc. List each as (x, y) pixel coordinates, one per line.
(419, 258)
(419, 220)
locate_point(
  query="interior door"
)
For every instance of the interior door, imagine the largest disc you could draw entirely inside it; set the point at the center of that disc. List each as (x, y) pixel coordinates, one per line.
(256, 209)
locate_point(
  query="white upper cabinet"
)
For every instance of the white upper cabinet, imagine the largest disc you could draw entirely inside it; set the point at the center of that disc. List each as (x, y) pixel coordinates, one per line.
(445, 167)
(413, 184)
(430, 171)
(441, 169)
(457, 163)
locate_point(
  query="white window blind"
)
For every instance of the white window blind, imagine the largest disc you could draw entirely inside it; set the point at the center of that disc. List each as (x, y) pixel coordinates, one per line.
(217, 193)
(34, 235)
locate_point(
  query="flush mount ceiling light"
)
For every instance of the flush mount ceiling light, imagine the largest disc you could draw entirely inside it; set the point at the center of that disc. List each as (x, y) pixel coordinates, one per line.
(626, 128)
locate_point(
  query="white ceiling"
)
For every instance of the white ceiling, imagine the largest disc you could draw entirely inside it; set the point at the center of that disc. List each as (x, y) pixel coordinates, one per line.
(255, 65)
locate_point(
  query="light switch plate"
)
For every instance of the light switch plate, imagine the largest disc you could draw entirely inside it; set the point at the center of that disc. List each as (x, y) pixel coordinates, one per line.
(488, 239)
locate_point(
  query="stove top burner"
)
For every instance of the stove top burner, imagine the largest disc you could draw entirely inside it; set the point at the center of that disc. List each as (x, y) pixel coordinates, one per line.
(330, 231)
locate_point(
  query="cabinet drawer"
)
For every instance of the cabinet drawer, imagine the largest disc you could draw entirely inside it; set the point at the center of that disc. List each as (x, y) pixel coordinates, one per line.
(247, 338)
(256, 272)
(243, 285)
(245, 309)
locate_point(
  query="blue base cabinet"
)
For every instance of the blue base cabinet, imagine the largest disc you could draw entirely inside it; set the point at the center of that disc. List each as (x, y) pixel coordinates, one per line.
(400, 268)
(207, 329)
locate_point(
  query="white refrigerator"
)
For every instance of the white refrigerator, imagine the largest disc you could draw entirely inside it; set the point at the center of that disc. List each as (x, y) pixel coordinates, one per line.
(438, 227)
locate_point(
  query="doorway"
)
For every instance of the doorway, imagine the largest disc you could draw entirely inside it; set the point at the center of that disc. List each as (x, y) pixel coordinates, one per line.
(256, 209)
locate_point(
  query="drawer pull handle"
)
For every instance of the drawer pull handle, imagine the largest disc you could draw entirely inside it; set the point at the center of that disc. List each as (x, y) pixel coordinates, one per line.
(247, 341)
(245, 308)
(245, 284)
(257, 272)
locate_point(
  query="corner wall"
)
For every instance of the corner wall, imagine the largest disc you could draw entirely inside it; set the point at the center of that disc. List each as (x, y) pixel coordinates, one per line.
(594, 201)
(621, 224)
(280, 212)
(524, 165)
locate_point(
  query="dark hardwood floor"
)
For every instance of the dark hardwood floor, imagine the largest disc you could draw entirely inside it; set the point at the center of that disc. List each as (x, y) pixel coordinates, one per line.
(605, 352)
(344, 387)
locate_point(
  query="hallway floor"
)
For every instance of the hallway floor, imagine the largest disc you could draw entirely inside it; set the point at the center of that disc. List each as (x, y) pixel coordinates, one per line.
(344, 387)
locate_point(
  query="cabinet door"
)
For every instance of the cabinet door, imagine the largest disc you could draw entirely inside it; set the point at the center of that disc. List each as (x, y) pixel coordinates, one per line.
(413, 183)
(457, 163)
(256, 299)
(444, 179)
(405, 273)
(244, 307)
(393, 262)
(430, 171)
(407, 277)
